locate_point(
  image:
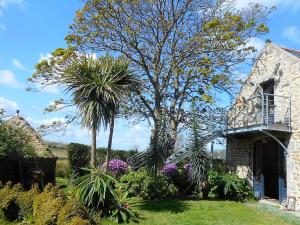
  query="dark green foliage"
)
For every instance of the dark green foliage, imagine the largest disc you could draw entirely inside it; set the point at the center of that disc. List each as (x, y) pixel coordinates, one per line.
(115, 154)
(140, 184)
(95, 190)
(159, 189)
(161, 145)
(124, 212)
(79, 157)
(47, 205)
(72, 209)
(219, 165)
(132, 183)
(229, 186)
(198, 158)
(14, 142)
(182, 182)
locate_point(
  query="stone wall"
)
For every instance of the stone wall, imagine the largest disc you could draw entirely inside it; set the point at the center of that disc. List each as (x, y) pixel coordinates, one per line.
(239, 157)
(280, 65)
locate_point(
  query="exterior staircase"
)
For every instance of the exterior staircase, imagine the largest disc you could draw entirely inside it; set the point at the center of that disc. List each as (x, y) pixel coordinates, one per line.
(137, 161)
(180, 155)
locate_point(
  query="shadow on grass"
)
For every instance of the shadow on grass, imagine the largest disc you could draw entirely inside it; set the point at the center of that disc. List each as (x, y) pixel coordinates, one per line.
(172, 206)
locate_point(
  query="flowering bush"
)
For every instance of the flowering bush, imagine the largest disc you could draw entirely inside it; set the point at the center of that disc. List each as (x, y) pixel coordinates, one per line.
(187, 167)
(170, 170)
(117, 167)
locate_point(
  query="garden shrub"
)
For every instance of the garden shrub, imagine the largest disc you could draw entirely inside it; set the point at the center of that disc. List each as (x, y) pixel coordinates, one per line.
(229, 186)
(140, 184)
(96, 191)
(47, 205)
(178, 175)
(170, 170)
(62, 168)
(117, 167)
(78, 221)
(72, 208)
(164, 189)
(132, 183)
(25, 202)
(78, 157)
(9, 208)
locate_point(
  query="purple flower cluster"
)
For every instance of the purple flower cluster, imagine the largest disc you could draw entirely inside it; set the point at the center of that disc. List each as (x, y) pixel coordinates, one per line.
(170, 170)
(117, 167)
(187, 167)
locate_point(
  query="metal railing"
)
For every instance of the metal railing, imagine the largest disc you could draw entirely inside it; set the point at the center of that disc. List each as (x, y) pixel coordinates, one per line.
(265, 109)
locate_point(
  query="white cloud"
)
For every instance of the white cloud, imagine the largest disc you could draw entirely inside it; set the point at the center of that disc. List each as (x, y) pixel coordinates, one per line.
(53, 89)
(5, 3)
(285, 4)
(9, 106)
(8, 78)
(18, 64)
(292, 33)
(38, 122)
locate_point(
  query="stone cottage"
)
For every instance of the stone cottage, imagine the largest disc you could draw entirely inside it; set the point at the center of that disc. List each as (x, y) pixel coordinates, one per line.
(263, 126)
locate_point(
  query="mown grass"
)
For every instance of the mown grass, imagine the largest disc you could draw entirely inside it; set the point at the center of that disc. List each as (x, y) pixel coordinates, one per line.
(205, 212)
(176, 212)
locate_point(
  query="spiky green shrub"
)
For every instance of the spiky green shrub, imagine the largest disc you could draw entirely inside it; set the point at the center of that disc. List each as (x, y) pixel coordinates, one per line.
(96, 191)
(47, 205)
(9, 207)
(72, 208)
(229, 186)
(25, 202)
(78, 221)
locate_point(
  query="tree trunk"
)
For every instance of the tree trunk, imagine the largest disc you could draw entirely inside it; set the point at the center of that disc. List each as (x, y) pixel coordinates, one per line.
(94, 143)
(173, 140)
(110, 137)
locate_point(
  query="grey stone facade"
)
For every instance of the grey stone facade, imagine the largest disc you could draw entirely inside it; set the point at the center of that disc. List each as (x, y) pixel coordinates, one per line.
(283, 66)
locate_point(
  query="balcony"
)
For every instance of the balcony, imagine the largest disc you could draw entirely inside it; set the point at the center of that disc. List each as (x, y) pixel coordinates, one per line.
(260, 112)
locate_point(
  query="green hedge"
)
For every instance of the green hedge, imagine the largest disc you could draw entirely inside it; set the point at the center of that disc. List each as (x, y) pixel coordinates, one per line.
(78, 157)
(116, 154)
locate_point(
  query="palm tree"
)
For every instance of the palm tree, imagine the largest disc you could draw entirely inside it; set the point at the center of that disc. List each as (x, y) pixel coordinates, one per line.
(125, 82)
(97, 87)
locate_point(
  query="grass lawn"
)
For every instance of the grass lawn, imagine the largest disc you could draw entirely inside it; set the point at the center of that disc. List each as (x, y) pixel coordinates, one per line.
(209, 212)
(205, 212)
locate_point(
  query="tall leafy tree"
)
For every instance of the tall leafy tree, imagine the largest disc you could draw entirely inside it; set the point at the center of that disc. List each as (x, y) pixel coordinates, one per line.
(181, 49)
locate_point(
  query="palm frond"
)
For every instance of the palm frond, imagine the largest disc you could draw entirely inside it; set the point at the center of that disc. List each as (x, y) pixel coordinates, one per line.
(97, 87)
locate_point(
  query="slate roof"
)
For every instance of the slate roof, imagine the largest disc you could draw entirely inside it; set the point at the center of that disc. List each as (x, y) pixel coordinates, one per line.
(293, 52)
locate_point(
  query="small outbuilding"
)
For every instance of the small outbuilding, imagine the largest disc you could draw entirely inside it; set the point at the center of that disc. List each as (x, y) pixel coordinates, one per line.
(28, 169)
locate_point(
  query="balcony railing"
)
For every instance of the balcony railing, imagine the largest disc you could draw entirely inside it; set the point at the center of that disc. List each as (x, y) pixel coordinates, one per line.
(268, 110)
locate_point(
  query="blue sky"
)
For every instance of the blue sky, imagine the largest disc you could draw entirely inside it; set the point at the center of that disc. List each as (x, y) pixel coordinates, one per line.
(31, 29)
